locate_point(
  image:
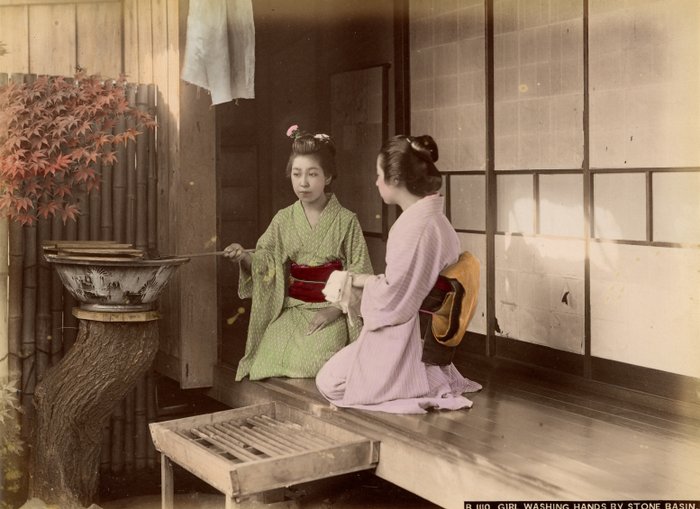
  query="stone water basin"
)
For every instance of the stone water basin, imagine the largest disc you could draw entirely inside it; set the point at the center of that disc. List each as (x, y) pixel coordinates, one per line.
(114, 284)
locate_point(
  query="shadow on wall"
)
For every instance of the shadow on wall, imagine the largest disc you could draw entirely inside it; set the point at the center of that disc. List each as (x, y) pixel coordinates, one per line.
(640, 295)
(540, 280)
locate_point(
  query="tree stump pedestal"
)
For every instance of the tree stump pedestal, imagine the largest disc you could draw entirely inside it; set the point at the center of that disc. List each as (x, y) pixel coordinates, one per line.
(76, 397)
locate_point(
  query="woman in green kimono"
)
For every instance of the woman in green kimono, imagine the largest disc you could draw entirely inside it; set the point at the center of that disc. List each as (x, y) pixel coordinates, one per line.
(293, 331)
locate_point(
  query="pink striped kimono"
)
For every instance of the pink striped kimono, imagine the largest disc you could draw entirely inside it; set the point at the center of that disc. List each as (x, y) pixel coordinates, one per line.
(382, 370)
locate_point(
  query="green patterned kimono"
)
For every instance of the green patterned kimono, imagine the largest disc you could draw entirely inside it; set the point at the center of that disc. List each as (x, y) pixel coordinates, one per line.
(277, 343)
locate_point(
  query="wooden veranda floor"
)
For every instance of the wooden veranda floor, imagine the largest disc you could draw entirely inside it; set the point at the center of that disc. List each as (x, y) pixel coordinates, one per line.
(523, 439)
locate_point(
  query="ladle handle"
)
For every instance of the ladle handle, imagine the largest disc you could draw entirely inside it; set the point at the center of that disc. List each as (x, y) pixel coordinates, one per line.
(211, 253)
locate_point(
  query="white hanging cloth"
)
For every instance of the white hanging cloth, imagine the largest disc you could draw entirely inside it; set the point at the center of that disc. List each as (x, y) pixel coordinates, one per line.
(220, 48)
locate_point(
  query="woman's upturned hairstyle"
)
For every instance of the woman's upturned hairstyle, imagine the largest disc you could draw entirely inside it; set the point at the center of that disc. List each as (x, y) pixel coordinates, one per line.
(412, 159)
(319, 145)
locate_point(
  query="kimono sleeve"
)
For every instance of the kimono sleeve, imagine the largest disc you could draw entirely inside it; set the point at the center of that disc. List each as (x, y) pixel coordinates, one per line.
(412, 266)
(263, 260)
(356, 252)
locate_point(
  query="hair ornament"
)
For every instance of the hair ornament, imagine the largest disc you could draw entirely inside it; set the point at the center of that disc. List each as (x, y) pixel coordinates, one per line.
(322, 137)
(422, 149)
(293, 132)
(415, 145)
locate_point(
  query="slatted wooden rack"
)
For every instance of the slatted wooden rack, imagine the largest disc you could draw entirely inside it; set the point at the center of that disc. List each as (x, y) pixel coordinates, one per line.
(258, 448)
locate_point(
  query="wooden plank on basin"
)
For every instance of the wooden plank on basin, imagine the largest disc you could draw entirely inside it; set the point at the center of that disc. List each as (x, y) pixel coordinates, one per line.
(125, 252)
(100, 260)
(85, 243)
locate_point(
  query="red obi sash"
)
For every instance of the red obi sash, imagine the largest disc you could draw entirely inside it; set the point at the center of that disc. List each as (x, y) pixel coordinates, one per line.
(306, 282)
(437, 295)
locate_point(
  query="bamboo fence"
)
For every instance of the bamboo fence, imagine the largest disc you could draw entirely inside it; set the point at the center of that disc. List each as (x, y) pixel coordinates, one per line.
(4, 282)
(40, 327)
(4, 277)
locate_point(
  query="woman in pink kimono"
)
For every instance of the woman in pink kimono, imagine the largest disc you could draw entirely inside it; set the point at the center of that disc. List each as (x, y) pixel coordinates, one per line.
(293, 331)
(383, 369)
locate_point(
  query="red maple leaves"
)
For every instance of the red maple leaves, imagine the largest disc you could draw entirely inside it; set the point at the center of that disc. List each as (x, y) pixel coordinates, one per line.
(53, 132)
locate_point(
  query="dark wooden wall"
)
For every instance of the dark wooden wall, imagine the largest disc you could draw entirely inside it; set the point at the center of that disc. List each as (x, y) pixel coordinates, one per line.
(298, 46)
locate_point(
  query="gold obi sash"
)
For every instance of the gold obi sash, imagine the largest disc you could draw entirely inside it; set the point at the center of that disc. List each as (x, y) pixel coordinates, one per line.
(451, 304)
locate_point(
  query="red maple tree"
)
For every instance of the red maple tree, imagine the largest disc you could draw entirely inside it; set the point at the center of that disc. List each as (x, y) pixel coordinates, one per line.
(52, 133)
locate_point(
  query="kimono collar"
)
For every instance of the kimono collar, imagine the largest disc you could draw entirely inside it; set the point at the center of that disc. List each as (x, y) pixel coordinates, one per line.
(426, 206)
(329, 213)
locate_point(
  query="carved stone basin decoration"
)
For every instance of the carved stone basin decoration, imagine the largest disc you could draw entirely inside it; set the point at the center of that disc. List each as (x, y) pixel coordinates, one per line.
(102, 279)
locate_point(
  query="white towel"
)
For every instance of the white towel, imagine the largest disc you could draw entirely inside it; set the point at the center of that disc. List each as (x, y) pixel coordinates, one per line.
(220, 48)
(340, 292)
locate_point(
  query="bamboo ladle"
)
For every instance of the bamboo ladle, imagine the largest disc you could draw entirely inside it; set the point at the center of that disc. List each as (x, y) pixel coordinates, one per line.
(210, 253)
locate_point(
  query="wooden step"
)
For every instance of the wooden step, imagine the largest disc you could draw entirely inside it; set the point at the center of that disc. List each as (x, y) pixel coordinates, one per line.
(250, 450)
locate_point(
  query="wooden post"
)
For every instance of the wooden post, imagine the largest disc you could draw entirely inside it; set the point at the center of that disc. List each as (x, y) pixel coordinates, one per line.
(166, 483)
(74, 401)
(194, 229)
